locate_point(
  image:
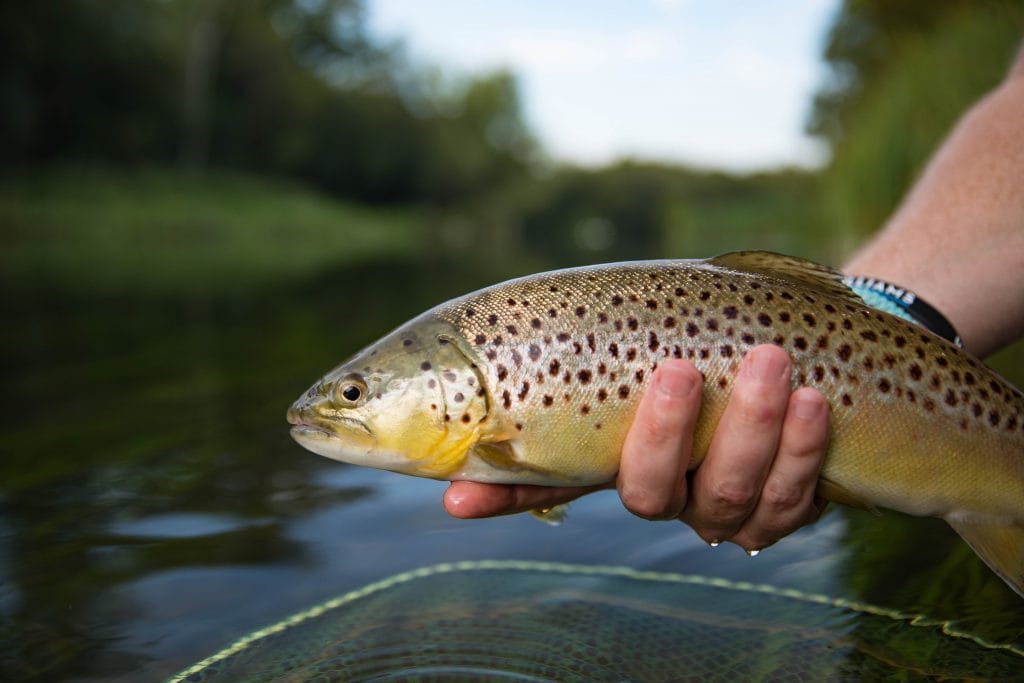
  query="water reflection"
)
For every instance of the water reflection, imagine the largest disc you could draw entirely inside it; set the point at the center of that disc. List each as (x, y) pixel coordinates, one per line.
(154, 507)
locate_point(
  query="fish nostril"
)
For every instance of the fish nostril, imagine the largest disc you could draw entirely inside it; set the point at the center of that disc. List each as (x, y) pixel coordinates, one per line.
(294, 416)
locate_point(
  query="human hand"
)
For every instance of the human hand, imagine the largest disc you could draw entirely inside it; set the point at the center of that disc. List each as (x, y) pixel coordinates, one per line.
(755, 485)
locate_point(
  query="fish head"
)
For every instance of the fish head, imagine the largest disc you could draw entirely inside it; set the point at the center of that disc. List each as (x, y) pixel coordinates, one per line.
(413, 403)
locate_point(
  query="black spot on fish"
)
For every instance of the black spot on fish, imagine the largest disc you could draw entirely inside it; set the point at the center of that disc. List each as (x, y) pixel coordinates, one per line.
(632, 323)
(492, 319)
(691, 330)
(554, 367)
(669, 323)
(800, 343)
(809, 319)
(712, 324)
(502, 373)
(613, 349)
(548, 399)
(652, 342)
(535, 323)
(725, 350)
(623, 391)
(764, 319)
(730, 312)
(534, 352)
(580, 311)
(524, 390)
(651, 304)
(844, 352)
(584, 376)
(425, 365)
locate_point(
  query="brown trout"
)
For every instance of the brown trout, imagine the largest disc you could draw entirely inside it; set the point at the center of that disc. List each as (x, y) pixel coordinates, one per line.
(536, 381)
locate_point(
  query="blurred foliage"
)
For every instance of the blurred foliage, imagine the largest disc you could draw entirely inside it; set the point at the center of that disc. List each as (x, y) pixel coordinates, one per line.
(162, 232)
(914, 97)
(286, 87)
(862, 43)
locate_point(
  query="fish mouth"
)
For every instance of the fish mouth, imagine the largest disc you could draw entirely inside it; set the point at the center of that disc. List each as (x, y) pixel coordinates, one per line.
(316, 432)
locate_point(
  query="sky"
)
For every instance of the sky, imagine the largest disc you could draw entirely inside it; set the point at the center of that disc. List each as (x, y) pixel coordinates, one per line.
(720, 84)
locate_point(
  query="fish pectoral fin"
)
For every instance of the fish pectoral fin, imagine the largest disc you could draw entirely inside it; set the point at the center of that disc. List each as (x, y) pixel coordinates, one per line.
(553, 515)
(1001, 546)
(788, 269)
(498, 454)
(502, 455)
(837, 494)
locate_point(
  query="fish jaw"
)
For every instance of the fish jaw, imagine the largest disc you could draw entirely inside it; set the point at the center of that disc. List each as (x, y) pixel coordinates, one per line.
(416, 405)
(327, 444)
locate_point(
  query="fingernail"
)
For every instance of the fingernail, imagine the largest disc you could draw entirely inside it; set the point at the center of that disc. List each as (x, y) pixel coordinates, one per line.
(806, 406)
(675, 381)
(753, 553)
(766, 366)
(714, 544)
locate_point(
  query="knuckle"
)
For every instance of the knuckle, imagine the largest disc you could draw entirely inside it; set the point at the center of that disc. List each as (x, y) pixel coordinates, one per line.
(781, 497)
(758, 411)
(731, 495)
(650, 505)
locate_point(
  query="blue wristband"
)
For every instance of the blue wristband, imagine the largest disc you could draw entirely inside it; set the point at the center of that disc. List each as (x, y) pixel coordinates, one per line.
(903, 303)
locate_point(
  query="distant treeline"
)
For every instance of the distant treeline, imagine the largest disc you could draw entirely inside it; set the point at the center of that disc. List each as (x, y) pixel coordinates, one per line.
(286, 87)
(298, 89)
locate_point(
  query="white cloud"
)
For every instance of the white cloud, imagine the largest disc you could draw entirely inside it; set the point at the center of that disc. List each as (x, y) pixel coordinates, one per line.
(716, 84)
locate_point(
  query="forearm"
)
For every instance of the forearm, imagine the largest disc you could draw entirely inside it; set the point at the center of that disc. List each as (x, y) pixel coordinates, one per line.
(958, 238)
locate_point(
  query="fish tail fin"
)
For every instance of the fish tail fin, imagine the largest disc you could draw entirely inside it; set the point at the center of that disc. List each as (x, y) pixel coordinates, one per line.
(1001, 546)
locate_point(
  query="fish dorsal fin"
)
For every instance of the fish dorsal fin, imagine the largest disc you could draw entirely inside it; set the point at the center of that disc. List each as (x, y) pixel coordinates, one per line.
(1001, 546)
(788, 269)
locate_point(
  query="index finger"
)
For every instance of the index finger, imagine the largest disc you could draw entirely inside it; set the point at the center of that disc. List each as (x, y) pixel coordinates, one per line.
(471, 500)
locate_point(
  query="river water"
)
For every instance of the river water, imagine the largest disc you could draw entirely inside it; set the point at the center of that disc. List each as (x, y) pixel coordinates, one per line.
(153, 508)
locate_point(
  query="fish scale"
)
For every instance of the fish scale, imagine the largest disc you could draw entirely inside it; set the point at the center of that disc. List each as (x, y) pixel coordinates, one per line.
(561, 360)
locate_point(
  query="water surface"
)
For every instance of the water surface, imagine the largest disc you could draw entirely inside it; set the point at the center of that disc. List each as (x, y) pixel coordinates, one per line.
(153, 508)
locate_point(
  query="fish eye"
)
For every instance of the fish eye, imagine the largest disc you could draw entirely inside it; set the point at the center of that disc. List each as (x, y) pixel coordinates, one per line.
(351, 389)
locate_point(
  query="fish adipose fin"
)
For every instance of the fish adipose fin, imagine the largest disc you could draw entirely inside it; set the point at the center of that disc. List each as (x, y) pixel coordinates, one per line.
(788, 269)
(1001, 546)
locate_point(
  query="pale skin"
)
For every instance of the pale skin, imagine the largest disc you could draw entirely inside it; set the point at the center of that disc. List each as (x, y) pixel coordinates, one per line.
(957, 240)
